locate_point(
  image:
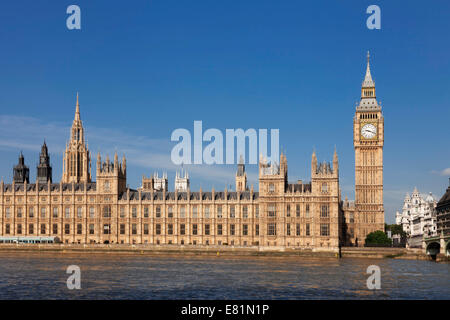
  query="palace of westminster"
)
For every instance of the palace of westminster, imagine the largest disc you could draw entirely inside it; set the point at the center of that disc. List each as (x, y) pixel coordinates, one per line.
(304, 215)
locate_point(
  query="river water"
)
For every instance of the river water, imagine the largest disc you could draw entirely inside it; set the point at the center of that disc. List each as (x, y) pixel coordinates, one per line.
(106, 276)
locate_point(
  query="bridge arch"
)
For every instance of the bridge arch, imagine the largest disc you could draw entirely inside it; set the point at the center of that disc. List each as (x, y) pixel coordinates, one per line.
(433, 248)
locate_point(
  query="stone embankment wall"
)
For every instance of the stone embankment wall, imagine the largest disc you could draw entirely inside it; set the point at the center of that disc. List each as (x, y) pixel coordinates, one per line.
(346, 252)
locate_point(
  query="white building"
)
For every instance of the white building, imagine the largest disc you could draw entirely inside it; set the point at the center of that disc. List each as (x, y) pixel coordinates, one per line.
(418, 217)
(160, 184)
(182, 181)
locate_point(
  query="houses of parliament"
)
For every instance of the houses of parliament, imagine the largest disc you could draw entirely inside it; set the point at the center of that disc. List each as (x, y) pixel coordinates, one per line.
(304, 215)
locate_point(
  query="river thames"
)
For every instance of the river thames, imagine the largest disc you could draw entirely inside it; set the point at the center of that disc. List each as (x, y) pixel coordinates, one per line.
(106, 276)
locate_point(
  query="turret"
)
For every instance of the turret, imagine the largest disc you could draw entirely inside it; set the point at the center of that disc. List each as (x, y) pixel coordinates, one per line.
(21, 173)
(44, 170)
(335, 162)
(241, 176)
(314, 162)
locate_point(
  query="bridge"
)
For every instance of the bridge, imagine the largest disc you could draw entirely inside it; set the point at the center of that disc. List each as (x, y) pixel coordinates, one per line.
(437, 245)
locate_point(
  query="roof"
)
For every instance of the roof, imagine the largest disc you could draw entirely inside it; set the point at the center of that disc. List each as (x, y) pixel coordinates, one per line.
(31, 187)
(445, 200)
(183, 196)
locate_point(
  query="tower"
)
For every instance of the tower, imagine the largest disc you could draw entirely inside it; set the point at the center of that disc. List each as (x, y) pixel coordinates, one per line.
(21, 172)
(368, 140)
(76, 159)
(111, 176)
(241, 176)
(44, 170)
(182, 181)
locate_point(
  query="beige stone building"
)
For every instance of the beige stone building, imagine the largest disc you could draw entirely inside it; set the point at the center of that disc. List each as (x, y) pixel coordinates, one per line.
(304, 215)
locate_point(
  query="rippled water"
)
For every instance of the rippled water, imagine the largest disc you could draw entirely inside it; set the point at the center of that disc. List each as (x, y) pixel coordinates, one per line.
(105, 276)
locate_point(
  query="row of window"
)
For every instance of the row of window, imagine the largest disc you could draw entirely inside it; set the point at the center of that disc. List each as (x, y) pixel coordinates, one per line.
(271, 229)
(271, 212)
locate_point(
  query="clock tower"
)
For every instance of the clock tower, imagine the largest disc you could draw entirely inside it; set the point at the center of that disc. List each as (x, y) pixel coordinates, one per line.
(368, 140)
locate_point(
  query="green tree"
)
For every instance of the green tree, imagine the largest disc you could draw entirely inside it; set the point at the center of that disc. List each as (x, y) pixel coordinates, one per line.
(378, 238)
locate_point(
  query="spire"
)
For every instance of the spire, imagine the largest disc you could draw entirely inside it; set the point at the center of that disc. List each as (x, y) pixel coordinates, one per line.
(335, 161)
(368, 82)
(77, 109)
(314, 162)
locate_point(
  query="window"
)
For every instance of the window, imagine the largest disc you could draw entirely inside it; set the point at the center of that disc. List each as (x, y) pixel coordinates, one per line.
(43, 231)
(271, 229)
(122, 228)
(55, 212)
(31, 212)
(245, 212)
(271, 187)
(8, 213)
(67, 213)
(182, 229)
(91, 229)
(170, 228)
(19, 229)
(170, 212)
(324, 211)
(31, 228)
(232, 212)
(67, 228)
(194, 229)
(158, 212)
(194, 212)
(207, 212)
(55, 228)
(308, 233)
(79, 228)
(19, 212)
(106, 212)
(182, 212)
(207, 229)
(106, 229)
(91, 212)
(7, 228)
(324, 229)
(288, 210)
(219, 229)
(145, 228)
(79, 213)
(256, 211)
(219, 211)
(145, 212)
(288, 229)
(134, 228)
(245, 229)
(122, 212)
(158, 229)
(134, 212)
(324, 187)
(307, 211)
(297, 210)
(257, 230)
(232, 230)
(298, 229)
(271, 210)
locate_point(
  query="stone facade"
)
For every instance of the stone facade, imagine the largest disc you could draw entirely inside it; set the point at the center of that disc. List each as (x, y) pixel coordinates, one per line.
(305, 215)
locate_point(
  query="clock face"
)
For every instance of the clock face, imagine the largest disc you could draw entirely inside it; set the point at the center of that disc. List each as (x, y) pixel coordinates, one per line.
(368, 131)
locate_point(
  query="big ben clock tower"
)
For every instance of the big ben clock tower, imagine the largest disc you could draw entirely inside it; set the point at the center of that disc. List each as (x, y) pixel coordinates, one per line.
(368, 140)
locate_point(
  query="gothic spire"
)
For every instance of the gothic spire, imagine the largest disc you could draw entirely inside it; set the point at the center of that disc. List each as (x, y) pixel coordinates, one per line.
(368, 82)
(77, 110)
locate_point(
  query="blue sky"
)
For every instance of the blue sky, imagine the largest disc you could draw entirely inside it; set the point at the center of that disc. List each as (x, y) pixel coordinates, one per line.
(145, 68)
